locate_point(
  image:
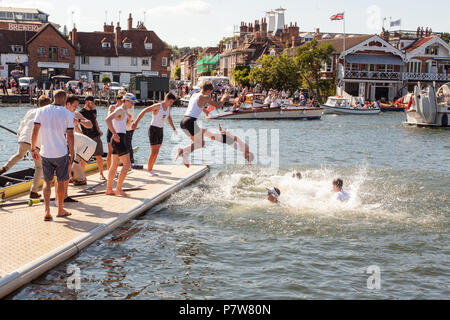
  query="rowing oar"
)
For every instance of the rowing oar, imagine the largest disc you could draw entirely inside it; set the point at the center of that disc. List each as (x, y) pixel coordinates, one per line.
(13, 132)
(32, 202)
(91, 189)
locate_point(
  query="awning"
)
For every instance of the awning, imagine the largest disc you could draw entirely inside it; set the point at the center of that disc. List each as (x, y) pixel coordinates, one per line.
(56, 65)
(442, 59)
(374, 59)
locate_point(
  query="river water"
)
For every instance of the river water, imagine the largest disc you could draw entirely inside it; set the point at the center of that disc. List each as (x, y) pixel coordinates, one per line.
(220, 239)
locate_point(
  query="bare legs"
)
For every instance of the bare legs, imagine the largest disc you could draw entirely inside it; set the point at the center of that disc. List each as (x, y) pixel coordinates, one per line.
(47, 192)
(100, 166)
(108, 158)
(153, 156)
(123, 173)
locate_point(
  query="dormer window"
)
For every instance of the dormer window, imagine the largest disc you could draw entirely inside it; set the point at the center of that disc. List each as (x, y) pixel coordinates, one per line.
(148, 46)
(17, 49)
(106, 45)
(434, 51)
(127, 45)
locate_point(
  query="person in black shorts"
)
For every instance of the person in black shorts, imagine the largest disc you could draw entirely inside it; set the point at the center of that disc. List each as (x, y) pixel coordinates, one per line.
(94, 133)
(111, 109)
(161, 113)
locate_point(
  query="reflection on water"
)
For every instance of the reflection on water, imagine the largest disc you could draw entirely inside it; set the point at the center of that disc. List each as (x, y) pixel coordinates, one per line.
(221, 239)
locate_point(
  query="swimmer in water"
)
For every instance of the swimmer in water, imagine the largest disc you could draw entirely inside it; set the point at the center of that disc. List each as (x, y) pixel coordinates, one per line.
(297, 175)
(273, 194)
(342, 196)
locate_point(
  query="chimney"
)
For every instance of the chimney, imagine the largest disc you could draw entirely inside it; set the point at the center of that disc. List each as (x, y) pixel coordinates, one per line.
(264, 26)
(257, 26)
(74, 36)
(317, 30)
(130, 22)
(108, 28)
(118, 35)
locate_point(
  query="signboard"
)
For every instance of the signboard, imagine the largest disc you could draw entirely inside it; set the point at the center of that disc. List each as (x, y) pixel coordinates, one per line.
(150, 73)
(23, 27)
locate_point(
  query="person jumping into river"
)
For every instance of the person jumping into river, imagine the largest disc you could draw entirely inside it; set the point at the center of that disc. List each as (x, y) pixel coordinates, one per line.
(198, 103)
(117, 124)
(160, 112)
(273, 195)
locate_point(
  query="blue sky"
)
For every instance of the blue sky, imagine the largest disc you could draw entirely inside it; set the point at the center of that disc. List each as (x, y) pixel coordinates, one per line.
(205, 22)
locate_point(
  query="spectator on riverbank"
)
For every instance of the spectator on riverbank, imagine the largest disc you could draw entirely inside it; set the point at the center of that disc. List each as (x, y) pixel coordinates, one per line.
(4, 85)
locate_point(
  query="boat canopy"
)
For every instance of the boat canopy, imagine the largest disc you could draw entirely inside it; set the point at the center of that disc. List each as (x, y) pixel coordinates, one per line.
(374, 59)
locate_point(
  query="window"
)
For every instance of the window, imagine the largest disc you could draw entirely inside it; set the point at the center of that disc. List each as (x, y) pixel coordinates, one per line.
(327, 66)
(390, 68)
(53, 54)
(107, 61)
(148, 46)
(84, 60)
(127, 45)
(352, 66)
(164, 62)
(434, 51)
(133, 61)
(145, 62)
(415, 67)
(64, 52)
(17, 49)
(40, 51)
(106, 45)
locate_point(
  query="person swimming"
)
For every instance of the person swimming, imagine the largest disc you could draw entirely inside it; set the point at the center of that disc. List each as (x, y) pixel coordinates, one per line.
(342, 196)
(273, 194)
(297, 175)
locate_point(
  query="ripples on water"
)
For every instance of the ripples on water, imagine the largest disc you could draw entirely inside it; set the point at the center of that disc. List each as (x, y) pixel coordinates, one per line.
(220, 238)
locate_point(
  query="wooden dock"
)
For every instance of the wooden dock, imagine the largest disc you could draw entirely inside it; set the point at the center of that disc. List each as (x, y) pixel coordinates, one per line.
(30, 247)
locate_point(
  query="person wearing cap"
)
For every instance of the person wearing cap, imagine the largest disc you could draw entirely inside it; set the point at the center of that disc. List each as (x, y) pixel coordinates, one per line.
(117, 124)
(273, 195)
(94, 133)
(342, 196)
(119, 102)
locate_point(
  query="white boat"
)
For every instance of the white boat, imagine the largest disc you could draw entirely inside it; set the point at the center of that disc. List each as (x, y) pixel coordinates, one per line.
(428, 108)
(185, 100)
(264, 113)
(344, 105)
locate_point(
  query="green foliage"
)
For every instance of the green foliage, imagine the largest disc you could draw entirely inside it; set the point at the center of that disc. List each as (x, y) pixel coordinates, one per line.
(241, 75)
(279, 72)
(446, 37)
(106, 79)
(310, 58)
(177, 73)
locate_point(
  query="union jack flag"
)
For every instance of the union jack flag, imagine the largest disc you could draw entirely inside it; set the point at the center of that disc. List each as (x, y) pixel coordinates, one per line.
(338, 16)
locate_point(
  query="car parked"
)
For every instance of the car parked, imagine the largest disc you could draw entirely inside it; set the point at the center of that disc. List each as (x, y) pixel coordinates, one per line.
(27, 83)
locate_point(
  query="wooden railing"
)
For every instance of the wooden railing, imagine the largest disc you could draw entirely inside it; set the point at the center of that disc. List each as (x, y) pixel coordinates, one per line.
(426, 76)
(373, 75)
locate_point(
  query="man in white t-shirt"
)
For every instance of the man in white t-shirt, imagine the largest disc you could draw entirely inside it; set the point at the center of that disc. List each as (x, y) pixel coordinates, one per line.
(55, 123)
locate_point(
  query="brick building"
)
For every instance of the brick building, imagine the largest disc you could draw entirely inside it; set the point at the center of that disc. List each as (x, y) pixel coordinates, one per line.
(50, 54)
(22, 19)
(119, 53)
(13, 51)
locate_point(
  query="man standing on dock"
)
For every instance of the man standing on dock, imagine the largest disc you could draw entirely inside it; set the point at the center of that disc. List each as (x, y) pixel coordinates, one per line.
(57, 150)
(117, 124)
(94, 133)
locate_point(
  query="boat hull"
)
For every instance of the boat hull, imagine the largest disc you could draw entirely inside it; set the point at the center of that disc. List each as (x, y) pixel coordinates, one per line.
(339, 110)
(271, 114)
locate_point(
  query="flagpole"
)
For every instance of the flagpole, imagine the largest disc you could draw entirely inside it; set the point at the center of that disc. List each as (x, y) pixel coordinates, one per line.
(343, 89)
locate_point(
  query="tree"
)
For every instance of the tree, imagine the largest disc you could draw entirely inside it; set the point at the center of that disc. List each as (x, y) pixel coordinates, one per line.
(446, 37)
(177, 73)
(106, 79)
(276, 72)
(310, 58)
(241, 75)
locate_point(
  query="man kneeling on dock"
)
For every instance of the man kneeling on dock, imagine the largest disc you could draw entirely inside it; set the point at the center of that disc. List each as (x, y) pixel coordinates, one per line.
(57, 149)
(117, 124)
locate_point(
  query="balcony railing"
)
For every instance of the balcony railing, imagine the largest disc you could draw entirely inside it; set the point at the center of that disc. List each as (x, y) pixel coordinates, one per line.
(373, 75)
(410, 76)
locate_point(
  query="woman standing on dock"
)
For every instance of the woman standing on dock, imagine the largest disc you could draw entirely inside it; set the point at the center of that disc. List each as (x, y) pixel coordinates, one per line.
(161, 112)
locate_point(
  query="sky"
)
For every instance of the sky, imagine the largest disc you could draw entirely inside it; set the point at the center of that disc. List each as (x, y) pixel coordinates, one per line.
(206, 22)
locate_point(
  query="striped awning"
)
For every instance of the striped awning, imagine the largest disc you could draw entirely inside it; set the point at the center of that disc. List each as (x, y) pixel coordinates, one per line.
(374, 59)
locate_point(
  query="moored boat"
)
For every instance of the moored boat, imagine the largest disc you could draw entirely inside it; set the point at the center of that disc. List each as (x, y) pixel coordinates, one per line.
(290, 112)
(343, 105)
(428, 107)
